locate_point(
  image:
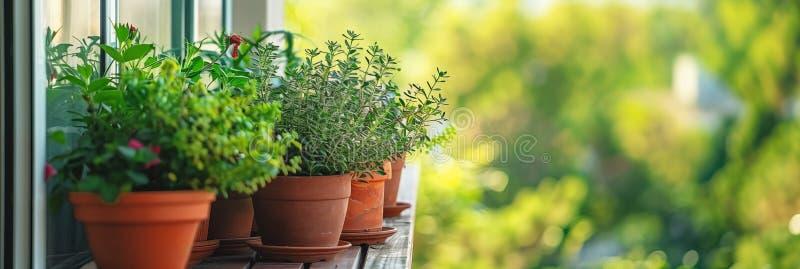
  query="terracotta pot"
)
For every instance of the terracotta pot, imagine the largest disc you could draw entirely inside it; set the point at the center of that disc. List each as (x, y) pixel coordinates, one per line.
(302, 211)
(202, 231)
(231, 217)
(393, 184)
(143, 229)
(365, 206)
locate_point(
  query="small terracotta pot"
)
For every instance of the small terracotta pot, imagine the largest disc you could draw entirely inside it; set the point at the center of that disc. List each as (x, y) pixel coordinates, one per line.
(365, 206)
(202, 231)
(302, 211)
(231, 217)
(393, 184)
(142, 229)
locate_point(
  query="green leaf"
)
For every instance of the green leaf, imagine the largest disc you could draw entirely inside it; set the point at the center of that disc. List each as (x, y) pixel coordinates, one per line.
(151, 62)
(137, 178)
(191, 50)
(59, 137)
(109, 193)
(137, 51)
(112, 97)
(238, 81)
(98, 84)
(85, 70)
(127, 152)
(75, 80)
(112, 52)
(103, 157)
(197, 64)
(122, 32)
(90, 183)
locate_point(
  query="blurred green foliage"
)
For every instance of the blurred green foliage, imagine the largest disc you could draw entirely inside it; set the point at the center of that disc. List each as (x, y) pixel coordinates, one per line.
(627, 176)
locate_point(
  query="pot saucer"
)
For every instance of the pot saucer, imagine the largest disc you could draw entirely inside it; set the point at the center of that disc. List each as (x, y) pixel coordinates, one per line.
(201, 250)
(369, 238)
(390, 211)
(297, 254)
(235, 246)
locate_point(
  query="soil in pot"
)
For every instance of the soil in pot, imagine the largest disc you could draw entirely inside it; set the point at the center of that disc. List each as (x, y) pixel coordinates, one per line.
(231, 217)
(142, 229)
(393, 184)
(365, 206)
(302, 211)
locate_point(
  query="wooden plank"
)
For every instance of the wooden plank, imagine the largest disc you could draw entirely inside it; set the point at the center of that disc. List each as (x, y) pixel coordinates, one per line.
(397, 251)
(350, 259)
(272, 265)
(90, 265)
(69, 261)
(225, 262)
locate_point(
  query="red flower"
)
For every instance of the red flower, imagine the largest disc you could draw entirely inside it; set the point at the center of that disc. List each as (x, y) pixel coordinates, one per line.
(235, 40)
(152, 163)
(135, 144)
(155, 149)
(49, 171)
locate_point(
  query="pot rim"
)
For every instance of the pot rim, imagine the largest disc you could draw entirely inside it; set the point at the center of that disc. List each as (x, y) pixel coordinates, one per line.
(322, 177)
(144, 197)
(306, 188)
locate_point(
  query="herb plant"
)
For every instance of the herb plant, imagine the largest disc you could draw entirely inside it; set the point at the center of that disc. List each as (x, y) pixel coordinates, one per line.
(415, 111)
(337, 104)
(165, 122)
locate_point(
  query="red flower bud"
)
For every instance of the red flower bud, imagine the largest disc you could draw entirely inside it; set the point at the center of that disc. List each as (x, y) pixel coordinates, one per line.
(235, 53)
(135, 144)
(49, 171)
(152, 163)
(235, 39)
(132, 29)
(155, 149)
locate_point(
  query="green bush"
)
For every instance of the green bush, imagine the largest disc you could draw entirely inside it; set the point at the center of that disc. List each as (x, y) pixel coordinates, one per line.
(165, 123)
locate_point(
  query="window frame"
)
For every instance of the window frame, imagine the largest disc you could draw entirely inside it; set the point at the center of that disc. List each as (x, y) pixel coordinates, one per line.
(23, 241)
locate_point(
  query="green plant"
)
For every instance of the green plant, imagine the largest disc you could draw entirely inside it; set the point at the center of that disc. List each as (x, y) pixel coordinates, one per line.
(336, 104)
(416, 110)
(242, 58)
(165, 122)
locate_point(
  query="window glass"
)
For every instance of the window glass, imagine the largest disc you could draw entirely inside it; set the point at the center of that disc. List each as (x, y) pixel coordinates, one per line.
(152, 17)
(73, 18)
(209, 18)
(67, 21)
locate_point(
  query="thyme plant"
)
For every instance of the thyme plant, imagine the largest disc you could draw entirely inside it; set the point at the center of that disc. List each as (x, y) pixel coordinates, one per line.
(337, 105)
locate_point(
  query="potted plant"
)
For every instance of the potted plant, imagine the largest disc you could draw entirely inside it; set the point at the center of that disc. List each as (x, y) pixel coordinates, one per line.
(328, 99)
(231, 219)
(158, 140)
(414, 111)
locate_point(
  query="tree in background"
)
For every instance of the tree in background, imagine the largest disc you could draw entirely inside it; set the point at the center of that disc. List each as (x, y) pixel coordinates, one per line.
(635, 178)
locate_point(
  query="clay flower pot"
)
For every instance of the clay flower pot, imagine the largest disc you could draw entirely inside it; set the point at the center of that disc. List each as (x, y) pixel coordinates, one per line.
(302, 211)
(365, 206)
(393, 184)
(202, 247)
(231, 217)
(202, 231)
(143, 229)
